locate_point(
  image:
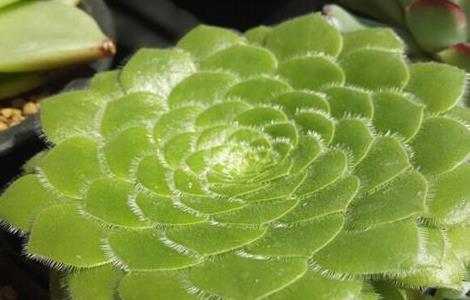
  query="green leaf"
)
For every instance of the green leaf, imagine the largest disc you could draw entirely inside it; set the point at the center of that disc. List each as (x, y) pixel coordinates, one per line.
(311, 72)
(69, 114)
(52, 239)
(441, 144)
(259, 277)
(12, 84)
(147, 250)
(352, 253)
(204, 40)
(450, 196)
(310, 33)
(94, 283)
(242, 60)
(313, 285)
(397, 114)
(209, 239)
(77, 154)
(107, 199)
(402, 198)
(364, 68)
(298, 239)
(436, 25)
(380, 38)
(139, 74)
(438, 86)
(386, 159)
(346, 101)
(24, 200)
(63, 35)
(165, 284)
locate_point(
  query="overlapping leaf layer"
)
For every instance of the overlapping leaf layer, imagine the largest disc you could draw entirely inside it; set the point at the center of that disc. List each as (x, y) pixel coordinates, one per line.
(290, 162)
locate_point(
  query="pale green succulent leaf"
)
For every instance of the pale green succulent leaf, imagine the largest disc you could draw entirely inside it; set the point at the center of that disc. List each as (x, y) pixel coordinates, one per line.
(204, 40)
(449, 202)
(311, 72)
(436, 25)
(365, 68)
(440, 87)
(355, 135)
(436, 133)
(24, 200)
(257, 35)
(115, 210)
(242, 60)
(350, 253)
(382, 38)
(260, 277)
(349, 101)
(77, 154)
(171, 66)
(397, 114)
(325, 288)
(63, 35)
(12, 84)
(166, 284)
(52, 240)
(95, 283)
(70, 114)
(258, 90)
(302, 35)
(147, 249)
(122, 149)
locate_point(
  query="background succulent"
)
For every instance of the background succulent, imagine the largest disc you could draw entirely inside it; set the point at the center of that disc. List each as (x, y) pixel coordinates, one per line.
(435, 28)
(291, 162)
(42, 38)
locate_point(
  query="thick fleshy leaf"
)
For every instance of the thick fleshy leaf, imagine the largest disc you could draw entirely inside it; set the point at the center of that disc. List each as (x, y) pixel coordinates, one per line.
(450, 202)
(205, 40)
(147, 249)
(402, 198)
(12, 84)
(397, 114)
(351, 253)
(441, 144)
(355, 135)
(122, 150)
(108, 200)
(438, 86)
(140, 73)
(436, 24)
(382, 38)
(457, 55)
(242, 60)
(63, 35)
(95, 283)
(165, 284)
(311, 72)
(313, 285)
(298, 239)
(24, 200)
(211, 239)
(204, 87)
(259, 277)
(346, 101)
(386, 159)
(375, 69)
(52, 240)
(310, 33)
(71, 166)
(69, 114)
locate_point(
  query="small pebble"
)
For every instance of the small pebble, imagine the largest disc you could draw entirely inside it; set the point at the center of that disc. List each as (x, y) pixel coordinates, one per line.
(30, 108)
(3, 126)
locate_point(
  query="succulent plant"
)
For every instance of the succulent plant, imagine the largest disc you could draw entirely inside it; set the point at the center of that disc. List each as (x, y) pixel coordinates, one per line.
(42, 38)
(437, 29)
(291, 162)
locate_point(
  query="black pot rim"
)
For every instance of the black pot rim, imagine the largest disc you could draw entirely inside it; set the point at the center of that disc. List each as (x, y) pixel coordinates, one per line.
(30, 128)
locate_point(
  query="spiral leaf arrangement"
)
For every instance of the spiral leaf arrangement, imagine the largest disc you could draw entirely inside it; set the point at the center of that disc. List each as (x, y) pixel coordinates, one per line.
(290, 162)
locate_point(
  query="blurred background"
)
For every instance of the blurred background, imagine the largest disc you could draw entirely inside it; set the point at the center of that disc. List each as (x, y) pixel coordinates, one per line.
(137, 24)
